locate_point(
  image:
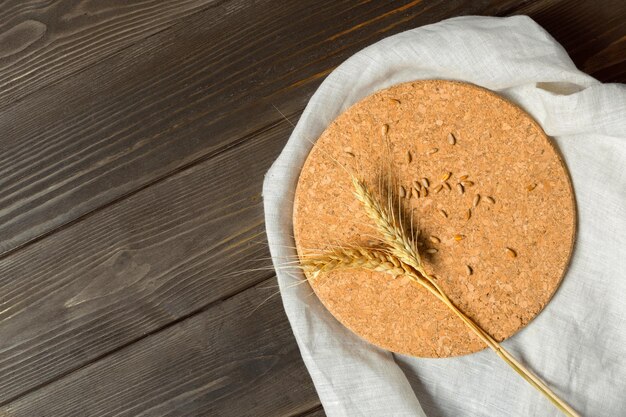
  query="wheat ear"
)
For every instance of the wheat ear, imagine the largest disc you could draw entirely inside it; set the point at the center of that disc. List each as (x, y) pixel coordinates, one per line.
(399, 245)
(406, 252)
(352, 258)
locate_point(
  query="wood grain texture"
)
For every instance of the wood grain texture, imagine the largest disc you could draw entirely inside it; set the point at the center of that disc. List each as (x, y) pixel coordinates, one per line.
(593, 33)
(237, 358)
(135, 267)
(315, 412)
(130, 179)
(42, 42)
(177, 97)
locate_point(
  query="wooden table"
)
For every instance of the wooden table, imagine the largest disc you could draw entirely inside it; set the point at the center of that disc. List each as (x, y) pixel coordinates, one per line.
(134, 139)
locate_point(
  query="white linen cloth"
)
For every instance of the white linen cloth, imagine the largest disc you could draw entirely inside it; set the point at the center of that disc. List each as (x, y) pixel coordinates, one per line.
(578, 343)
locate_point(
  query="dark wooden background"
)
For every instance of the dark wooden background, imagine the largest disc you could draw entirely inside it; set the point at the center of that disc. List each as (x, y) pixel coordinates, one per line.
(134, 140)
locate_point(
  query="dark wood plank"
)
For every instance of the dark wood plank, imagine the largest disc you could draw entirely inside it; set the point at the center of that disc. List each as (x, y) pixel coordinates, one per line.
(42, 42)
(592, 32)
(134, 267)
(237, 358)
(177, 97)
(316, 412)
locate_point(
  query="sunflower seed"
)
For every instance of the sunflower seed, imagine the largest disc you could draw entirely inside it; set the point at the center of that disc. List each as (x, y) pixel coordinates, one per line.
(476, 200)
(468, 214)
(434, 239)
(350, 154)
(467, 183)
(409, 157)
(459, 238)
(409, 192)
(432, 151)
(445, 176)
(425, 182)
(451, 139)
(384, 129)
(416, 192)
(469, 270)
(531, 187)
(445, 184)
(460, 188)
(490, 199)
(443, 213)
(425, 191)
(394, 100)
(431, 250)
(402, 192)
(463, 177)
(438, 188)
(511, 253)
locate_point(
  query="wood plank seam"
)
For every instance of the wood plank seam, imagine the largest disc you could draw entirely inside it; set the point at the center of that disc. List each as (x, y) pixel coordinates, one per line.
(114, 53)
(313, 411)
(265, 278)
(208, 362)
(201, 159)
(271, 136)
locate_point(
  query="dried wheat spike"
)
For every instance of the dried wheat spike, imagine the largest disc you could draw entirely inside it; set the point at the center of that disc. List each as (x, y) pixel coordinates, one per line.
(353, 258)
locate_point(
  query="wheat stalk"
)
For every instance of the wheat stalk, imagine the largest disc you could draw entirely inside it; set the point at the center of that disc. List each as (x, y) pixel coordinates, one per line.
(403, 259)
